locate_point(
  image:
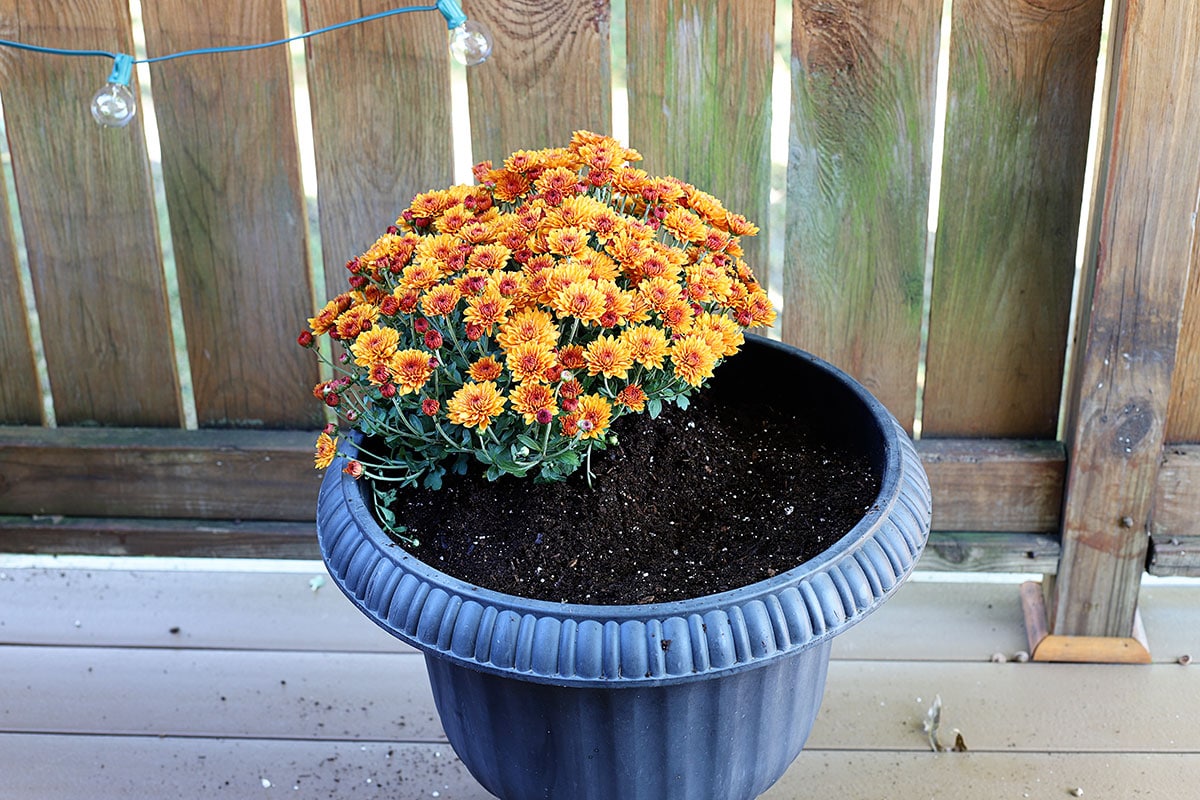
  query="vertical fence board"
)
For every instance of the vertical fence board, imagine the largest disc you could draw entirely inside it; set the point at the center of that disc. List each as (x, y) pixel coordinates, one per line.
(549, 75)
(1021, 80)
(381, 120)
(863, 83)
(20, 395)
(1183, 410)
(700, 100)
(1149, 184)
(232, 177)
(88, 216)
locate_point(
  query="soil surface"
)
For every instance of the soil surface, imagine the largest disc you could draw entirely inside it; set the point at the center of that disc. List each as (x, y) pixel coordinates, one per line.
(697, 501)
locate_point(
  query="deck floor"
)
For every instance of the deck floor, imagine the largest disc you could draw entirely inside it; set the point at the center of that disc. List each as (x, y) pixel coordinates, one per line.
(128, 683)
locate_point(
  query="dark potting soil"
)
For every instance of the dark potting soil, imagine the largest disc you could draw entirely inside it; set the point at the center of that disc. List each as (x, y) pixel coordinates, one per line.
(698, 501)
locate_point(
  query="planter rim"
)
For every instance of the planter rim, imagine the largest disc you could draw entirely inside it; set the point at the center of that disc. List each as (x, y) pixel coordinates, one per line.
(651, 644)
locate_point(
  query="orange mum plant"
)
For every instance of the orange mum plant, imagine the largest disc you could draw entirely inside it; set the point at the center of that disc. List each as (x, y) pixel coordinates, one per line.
(512, 322)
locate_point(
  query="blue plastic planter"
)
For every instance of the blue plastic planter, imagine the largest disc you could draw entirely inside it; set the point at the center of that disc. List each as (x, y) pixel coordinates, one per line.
(703, 699)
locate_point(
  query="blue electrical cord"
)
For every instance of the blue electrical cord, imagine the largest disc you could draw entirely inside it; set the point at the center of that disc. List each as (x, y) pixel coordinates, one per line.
(449, 8)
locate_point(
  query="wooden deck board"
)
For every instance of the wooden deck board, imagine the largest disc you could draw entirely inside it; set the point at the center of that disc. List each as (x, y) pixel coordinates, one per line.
(252, 688)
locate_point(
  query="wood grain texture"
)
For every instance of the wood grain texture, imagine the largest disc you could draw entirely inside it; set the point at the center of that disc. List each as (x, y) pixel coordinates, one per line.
(863, 83)
(700, 101)
(991, 552)
(88, 215)
(231, 169)
(140, 472)
(20, 394)
(1145, 228)
(1177, 556)
(1183, 409)
(1021, 82)
(381, 121)
(1176, 510)
(549, 75)
(994, 485)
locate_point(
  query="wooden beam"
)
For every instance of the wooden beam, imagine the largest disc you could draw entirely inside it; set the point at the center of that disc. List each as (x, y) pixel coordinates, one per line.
(183, 538)
(991, 552)
(1045, 646)
(132, 472)
(994, 484)
(1175, 524)
(1145, 223)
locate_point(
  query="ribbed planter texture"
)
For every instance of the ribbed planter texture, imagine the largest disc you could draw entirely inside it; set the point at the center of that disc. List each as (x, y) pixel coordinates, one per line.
(703, 699)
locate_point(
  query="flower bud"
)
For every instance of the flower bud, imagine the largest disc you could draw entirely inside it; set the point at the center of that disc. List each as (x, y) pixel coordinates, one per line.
(433, 339)
(544, 416)
(305, 339)
(332, 399)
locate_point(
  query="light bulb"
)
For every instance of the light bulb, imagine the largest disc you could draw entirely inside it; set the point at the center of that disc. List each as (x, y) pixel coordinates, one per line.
(470, 43)
(114, 105)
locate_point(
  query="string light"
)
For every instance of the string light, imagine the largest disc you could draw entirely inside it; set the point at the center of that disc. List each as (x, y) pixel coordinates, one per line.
(114, 105)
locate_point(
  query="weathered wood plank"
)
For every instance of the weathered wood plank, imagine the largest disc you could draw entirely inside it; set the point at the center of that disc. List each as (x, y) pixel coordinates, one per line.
(247, 694)
(88, 216)
(700, 101)
(81, 767)
(103, 472)
(232, 176)
(994, 485)
(176, 538)
(1021, 81)
(549, 75)
(863, 82)
(20, 394)
(1183, 412)
(381, 120)
(87, 767)
(991, 552)
(1175, 555)
(1145, 230)
(1175, 523)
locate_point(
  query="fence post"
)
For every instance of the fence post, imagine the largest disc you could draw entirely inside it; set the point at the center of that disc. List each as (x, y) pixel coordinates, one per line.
(1144, 223)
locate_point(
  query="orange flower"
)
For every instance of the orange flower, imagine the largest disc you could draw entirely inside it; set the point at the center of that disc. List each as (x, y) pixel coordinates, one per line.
(412, 370)
(510, 186)
(440, 300)
(693, 359)
(325, 319)
(489, 257)
(420, 275)
(569, 241)
(594, 413)
(609, 356)
(581, 300)
(485, 369)
(632, 397)
(647, 345)
(739, 225)
(452, 219)
(530, 325)
(571, 356)
(326, 451)
(726, 338)
(356, 319)
(375, 346)
(678, 316)
(684, 225)
(531, 398)
(474, 405)
(660, 293)
(487, 309)
(529, 361)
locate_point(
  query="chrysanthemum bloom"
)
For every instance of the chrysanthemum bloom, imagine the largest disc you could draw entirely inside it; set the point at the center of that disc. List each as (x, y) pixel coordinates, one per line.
(487, 309)
(578, 212)
(420, 275)
(325, 319)
(678, 316)
(684, 225)
(452, 219)
(632, 397)
(693, 359)
(618, 303)
(354, 469)
(571, 357)
(729, 338)
(510, 185)
(433, 339)
(412, 369)
(531, 399)
(581, 300)
(609, 356)
(570, 389)
(440, 300)
(600, 267)
(380, 375)
(660, 293)
(485, 369)
(530, 325)
(429, 406)
(489, 257)
(529, 361)
(739, 225)
(356, 319)
(570, 241)
(474, 405)
(708, 282)
(595, 413)
(647, 345)
(326, 451)
(376, 346)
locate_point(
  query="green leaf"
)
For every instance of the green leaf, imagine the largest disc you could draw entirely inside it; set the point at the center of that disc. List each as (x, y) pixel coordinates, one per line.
(654, 406)
(682, 401)
(529, 441)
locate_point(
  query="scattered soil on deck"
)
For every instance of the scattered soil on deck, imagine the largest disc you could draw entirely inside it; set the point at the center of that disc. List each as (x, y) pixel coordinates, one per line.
(697, 501)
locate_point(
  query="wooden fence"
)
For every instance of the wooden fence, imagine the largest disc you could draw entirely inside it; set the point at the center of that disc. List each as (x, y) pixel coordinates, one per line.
(120, 474)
